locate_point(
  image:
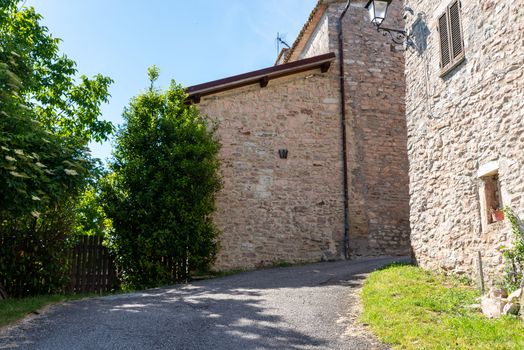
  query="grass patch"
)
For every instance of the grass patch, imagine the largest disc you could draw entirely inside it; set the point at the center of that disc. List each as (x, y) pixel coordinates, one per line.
(415, 309)
(15, 309)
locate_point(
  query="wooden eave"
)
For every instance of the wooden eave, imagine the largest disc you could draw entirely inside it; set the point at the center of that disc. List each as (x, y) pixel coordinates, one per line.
(261, 77)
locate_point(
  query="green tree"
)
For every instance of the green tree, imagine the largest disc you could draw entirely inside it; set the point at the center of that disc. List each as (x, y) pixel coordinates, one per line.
(64, 104)
(91, 218)
(40, 173)
(46, 120)
(37, 167)
(161, 193)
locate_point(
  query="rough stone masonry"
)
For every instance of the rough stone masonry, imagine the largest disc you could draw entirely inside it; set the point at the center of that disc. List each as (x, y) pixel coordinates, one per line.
(272, 209)
(466, 135)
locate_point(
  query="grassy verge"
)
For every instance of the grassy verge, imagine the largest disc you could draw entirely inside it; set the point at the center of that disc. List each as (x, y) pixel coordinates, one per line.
(414, 309)
(15, 309)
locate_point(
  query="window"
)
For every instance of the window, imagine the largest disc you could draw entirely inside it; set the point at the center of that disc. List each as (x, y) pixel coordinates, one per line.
(451, 38)
(490, 195)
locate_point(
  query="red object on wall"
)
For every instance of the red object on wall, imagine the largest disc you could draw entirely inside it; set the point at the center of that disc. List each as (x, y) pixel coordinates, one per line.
(497, 215)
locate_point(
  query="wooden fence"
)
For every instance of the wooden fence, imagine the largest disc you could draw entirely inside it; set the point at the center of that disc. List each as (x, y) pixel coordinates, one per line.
(92, 268)
(176, 268)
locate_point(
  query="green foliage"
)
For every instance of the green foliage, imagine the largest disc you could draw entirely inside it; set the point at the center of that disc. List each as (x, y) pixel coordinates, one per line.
(91, 220)
(46, 121)
(161, 193)
(514, 256)
(40, 174)
(153, 73)
(37, 168)
(410, 308)
(48, 79)
(33, 252)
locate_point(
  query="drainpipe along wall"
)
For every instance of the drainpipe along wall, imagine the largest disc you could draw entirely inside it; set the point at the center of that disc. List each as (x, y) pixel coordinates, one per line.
(343, 129)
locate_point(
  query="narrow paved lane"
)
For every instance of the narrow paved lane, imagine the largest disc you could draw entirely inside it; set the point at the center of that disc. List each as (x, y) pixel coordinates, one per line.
(304, 307)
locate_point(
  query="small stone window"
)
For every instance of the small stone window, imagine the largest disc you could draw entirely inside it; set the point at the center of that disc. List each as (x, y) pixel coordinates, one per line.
(451, 38)
(490, 195)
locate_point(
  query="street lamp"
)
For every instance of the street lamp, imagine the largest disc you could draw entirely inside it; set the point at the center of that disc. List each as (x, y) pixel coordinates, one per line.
(378, 10)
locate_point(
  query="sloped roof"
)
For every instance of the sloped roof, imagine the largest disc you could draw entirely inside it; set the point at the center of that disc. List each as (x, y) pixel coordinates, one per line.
(307, 30)
(261, 76)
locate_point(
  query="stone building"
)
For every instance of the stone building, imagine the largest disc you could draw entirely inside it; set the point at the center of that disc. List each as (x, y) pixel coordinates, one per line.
(465, 122)
(309, 175)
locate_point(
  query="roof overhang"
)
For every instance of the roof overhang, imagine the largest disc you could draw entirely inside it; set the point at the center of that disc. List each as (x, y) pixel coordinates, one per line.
(262, 76)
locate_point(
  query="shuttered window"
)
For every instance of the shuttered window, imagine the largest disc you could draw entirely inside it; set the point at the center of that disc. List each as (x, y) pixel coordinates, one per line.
(451, 38)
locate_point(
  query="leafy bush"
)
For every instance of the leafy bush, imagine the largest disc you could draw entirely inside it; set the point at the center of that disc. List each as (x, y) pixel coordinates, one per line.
(514, 256)
(161, 193)
(33, 253)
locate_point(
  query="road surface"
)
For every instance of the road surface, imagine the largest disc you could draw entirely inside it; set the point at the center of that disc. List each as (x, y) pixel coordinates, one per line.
(303, 307)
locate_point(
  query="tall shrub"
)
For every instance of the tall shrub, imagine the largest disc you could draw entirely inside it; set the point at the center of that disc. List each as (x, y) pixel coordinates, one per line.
(161, 193)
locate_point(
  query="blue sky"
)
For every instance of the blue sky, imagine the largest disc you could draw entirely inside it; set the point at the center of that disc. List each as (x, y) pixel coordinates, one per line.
(191, 41)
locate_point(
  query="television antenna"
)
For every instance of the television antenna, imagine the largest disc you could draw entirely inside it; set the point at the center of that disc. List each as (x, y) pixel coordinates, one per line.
(281, 41)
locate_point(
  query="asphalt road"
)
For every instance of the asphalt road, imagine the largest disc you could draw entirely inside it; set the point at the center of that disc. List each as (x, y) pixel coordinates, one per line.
(305, 307)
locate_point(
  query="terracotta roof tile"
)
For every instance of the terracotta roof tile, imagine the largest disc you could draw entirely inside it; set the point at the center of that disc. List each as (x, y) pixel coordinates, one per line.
(307, 29)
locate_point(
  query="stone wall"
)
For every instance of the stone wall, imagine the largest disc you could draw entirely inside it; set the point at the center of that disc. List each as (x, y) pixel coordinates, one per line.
(273, 209)
(292, 210)
(318, 43)
(376, 132)
(460, 123)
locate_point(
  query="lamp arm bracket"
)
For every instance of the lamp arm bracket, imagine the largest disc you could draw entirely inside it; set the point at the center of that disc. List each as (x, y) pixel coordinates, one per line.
(398, 36)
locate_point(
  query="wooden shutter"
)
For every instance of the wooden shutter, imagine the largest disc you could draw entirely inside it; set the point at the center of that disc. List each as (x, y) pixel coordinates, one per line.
(451, 38)
(457, 43)
(445, 53)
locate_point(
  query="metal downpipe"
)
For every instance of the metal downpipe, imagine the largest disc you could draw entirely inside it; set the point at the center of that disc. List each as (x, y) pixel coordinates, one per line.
(343, 129)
